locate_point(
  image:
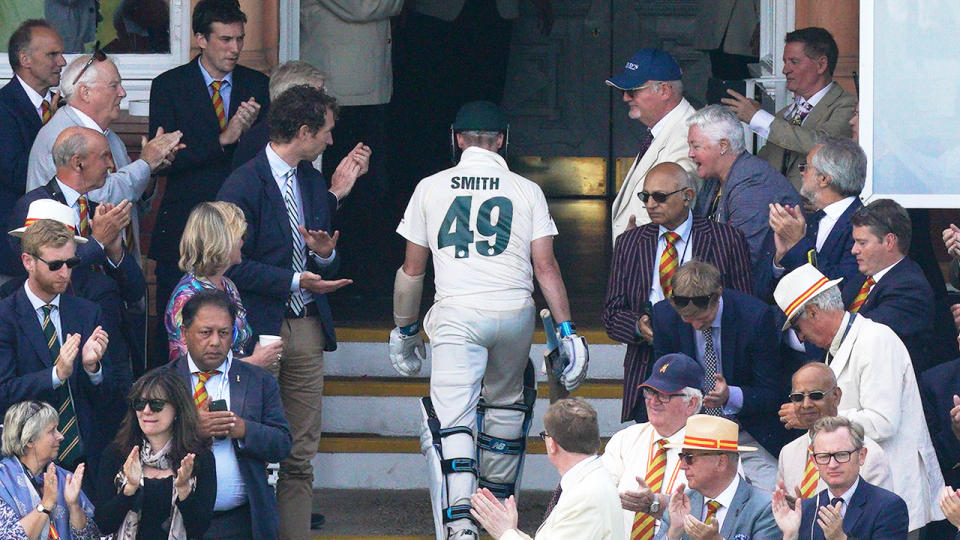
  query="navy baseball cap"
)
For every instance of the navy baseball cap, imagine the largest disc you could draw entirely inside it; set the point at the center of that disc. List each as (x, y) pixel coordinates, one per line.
(647, 65)
(674, 372)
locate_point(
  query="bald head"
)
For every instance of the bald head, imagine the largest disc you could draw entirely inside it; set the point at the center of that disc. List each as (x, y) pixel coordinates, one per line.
(673, 172)
(821, 371)
(671, 181)
(82, 158)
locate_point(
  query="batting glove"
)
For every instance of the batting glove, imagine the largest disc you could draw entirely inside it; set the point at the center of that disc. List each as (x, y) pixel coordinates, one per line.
(407, 351)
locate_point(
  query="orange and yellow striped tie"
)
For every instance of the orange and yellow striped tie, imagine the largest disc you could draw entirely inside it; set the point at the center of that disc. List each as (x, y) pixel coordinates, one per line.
(200, 396)
(811, 477)
(84, 208)
(862, 295)
(643, 523)
(45, 113)
(668, 262)
(712, 507)
(218, 104)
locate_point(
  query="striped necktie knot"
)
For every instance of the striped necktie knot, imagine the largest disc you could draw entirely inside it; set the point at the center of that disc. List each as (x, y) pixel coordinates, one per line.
(45, 111)
(862, 295)
(200, 396)
(712, 508)
(218, 104)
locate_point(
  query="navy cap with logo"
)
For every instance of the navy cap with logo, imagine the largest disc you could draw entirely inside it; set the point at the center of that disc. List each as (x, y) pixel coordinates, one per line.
(647, 65)
(674, 372)
(480, 116)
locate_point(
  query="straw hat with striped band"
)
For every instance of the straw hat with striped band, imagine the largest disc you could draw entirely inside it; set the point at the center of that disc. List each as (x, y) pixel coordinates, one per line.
(799, 287)
(50, 209)
(708, 432)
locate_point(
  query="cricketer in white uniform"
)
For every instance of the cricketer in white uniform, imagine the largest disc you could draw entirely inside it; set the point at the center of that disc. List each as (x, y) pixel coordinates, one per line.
(490, 232)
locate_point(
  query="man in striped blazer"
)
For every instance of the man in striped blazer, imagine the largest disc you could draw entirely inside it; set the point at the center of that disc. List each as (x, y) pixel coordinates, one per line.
(644, 260)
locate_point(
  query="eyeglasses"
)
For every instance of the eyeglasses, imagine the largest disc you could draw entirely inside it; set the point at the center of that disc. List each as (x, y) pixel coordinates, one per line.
(840, 457)
(658, 397)
(700, 302)
(689, 458)
(71, 263)
(658, 196)
(156, 405)
(816, 395)
(97, 55)
(634, 91)
(544, 435)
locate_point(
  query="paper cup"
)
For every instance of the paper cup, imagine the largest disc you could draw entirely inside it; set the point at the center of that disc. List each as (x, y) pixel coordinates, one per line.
(266, 340)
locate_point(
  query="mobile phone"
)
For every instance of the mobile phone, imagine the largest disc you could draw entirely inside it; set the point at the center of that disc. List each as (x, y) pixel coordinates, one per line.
(218, 405)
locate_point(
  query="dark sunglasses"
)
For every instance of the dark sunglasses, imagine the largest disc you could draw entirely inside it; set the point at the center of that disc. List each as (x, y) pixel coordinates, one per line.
(98, 55)
(701, 302)
(658, 196)
(71, 263)
(156, 405)
(690, 458)
(816, 395)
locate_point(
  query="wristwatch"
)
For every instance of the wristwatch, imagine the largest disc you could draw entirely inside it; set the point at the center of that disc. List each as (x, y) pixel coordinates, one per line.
(40, 508)
(654, 506)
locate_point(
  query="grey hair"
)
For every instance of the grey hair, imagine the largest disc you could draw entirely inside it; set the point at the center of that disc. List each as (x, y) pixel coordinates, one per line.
(676, 86)
(829, 424)
(67, 87)
(844, 162)
(24, 423)
(828, 300)
(72, 145)
(295, 73)
(718, 122)
(689, 393)
(483, 139)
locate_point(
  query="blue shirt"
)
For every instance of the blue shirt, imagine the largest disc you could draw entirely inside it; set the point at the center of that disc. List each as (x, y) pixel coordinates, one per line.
(225, 89)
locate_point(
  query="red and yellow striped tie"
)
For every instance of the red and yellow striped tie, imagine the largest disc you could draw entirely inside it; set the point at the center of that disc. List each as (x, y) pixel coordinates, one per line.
(811, 477)
(668, 262)
(45, 113)
(643, 523)
(218, 104)
(53, 534)
(84, 208)
(712, 507)
(862, 295)
(200, 396)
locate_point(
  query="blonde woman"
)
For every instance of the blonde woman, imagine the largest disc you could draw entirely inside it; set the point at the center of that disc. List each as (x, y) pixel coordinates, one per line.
(210, 245)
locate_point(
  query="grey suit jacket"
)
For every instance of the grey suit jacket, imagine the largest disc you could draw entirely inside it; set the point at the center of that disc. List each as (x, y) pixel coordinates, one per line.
(830, 117)
(748, 518)
(128, 182)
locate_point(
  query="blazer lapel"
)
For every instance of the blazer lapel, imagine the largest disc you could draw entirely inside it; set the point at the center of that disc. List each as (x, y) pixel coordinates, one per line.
(728, 340)
(238, 388)
(307, 187)
(201, 94)
(855, 510)
(701, 248)
(740, 499)
(30, 327)
(275, 199)
(26, 106)
(824, 105)
(648, 253)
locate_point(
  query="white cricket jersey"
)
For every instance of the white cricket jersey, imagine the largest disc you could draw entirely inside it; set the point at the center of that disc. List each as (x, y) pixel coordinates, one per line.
(478, 219)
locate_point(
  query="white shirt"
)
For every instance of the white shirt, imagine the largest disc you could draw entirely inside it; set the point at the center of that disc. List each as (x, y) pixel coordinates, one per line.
(847, 495)
(684, 248)
(725, 498)
(832, 213)
(38, 303)
(479, 220)
(761, 120)
(35, 99)
(231, 491)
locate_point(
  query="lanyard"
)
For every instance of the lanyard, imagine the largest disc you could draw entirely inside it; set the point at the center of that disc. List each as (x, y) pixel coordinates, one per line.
(843, 337)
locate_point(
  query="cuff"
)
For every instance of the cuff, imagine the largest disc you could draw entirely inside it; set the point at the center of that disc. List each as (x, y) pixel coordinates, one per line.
(323, 261)
(57, 383)
(735, 401)
(760, 123)
(295, 282)
(96, 377)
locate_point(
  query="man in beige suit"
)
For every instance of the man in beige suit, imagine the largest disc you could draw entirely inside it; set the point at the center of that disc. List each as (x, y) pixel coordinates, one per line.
(820, 107)
(652, 90)
(585, 505)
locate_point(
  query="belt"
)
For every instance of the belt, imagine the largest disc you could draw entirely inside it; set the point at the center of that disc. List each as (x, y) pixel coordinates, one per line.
(309, 310)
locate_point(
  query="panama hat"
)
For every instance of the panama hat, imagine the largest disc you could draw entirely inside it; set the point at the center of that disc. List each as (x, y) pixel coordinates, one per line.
(707, 432)
(53, 210)
(797, 288)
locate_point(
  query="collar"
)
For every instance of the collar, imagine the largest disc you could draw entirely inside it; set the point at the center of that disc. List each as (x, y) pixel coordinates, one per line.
(725, 498)
(475, 154)
(676, 438)
(224, 367)
(683, 229)
(278, 166)
(70, 195)
(35, 300)
(658, 128)
(576, 471)
(207, 78)
(86, 120)
(848, 494)
(836, 209)
(815, 98)
(838, 338)
(716, 320)
(35, 98)
(879, 275)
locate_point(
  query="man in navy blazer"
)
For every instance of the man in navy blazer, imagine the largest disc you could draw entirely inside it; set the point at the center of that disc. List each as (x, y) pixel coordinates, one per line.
(290, 248)
(635, 285)
(849, 504)
(26, 103)
(183, 99)
(745, 379)
(251, 433)
(28, 367)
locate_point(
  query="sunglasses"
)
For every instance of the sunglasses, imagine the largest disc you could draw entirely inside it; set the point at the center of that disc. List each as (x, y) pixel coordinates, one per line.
(690, 458)
(701, 302)
(97, 55)
(544, 435)
(840, 457)
(658, 196)
(71, 263)
(816, 395)
(634, 91)
(156, 405)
